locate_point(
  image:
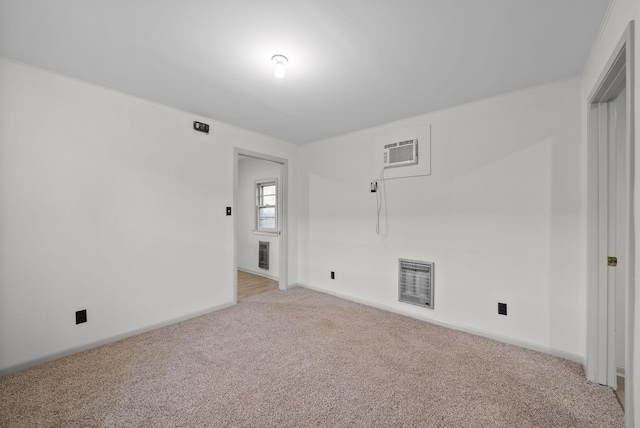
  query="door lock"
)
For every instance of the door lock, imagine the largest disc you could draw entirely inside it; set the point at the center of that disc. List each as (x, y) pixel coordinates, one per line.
(612, 261)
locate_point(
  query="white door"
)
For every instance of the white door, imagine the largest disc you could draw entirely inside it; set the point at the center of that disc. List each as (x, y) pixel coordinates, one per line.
(618, 228)
(610, 165)
(612, 234)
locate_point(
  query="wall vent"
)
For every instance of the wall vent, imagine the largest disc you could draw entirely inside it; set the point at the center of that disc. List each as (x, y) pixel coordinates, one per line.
(263, 254)
(415, 282)
(400, 154)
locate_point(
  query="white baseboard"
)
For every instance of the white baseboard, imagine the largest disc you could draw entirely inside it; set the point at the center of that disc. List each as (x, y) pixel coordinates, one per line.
(505, 339)
(111, 339)
(255, 272)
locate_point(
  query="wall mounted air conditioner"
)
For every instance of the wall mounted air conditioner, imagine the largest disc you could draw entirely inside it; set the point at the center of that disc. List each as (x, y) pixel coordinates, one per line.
(400, 154)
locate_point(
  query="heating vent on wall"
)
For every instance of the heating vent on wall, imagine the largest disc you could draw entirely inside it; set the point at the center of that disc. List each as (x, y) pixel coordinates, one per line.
(415, 282)
(263, 254)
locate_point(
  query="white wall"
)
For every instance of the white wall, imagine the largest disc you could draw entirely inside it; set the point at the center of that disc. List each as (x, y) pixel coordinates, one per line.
(249, 171)
(112, 204)
(619, 15)
(499, 215)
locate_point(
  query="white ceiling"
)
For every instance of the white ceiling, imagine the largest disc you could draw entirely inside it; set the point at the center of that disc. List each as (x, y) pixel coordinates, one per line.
(353, 64)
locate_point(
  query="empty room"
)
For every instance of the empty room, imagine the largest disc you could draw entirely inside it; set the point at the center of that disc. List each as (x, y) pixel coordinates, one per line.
(318, 213)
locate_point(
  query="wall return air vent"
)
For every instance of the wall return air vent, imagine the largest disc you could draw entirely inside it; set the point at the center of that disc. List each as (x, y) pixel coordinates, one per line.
(415, 282)
(263, 254)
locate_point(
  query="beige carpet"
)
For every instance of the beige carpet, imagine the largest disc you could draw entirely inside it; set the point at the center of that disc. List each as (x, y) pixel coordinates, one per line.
(300, 358)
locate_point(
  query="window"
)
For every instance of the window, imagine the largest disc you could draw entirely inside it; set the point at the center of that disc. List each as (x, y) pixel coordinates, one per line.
(266, 205)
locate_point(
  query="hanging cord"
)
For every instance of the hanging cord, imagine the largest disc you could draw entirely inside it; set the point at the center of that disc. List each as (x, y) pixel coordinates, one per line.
(379, 204)
(381, 201)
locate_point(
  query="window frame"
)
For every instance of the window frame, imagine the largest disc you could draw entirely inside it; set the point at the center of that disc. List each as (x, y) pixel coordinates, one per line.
(259, 186)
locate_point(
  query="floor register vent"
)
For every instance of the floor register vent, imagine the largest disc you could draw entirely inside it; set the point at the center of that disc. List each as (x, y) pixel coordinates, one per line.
(415, 282)
(263, 254)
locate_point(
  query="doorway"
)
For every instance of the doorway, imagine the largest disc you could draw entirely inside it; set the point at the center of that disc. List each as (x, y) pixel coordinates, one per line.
(260, 223)
(610, 239)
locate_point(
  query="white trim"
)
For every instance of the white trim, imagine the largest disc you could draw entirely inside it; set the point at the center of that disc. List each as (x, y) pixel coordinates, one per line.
(263, 233)
(603, 26)
(504, 339)
(620, 371)
(111, 339)
(254, 272)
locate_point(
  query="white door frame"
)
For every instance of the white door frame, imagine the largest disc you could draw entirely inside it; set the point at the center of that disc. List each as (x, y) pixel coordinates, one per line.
(617, 76)
(283, 202)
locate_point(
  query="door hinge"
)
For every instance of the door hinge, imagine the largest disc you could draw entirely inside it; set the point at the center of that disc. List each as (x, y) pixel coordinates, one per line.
(612, 261)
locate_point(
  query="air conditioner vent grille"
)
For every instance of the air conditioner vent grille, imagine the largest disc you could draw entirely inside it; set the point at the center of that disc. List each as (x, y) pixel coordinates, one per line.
(400, 154)
(415, 282)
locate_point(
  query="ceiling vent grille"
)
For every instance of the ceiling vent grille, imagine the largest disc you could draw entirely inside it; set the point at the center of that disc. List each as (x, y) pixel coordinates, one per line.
(415, 282)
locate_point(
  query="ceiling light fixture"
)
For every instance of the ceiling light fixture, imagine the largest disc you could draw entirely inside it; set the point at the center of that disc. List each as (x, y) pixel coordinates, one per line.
(280, 61)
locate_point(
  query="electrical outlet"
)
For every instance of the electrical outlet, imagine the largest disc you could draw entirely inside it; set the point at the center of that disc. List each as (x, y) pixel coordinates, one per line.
(502, 309)
(333, 275)
(81, 316)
